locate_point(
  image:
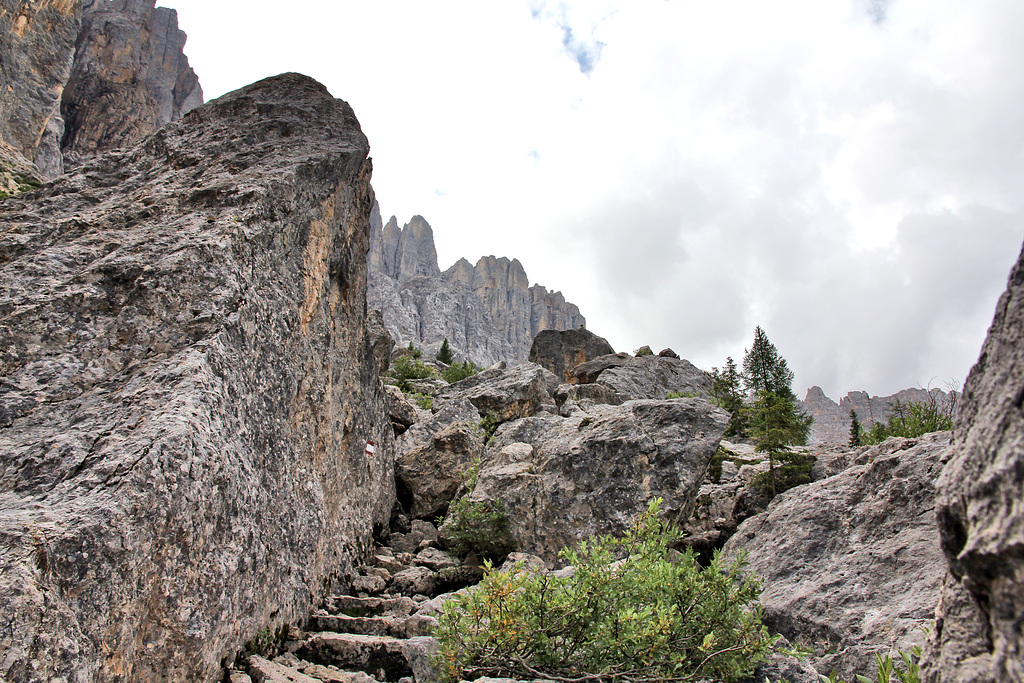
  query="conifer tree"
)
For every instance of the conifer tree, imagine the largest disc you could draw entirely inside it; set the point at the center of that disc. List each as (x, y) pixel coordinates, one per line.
(764, 369)
(445, 355)
(727, 394)
(856, 431)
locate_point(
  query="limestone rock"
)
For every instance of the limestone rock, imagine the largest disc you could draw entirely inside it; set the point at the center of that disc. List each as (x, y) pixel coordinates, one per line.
(130, 77)
(981, 513)
(37, 47)
(560, 351)
(432, 474)
(832, 421)
(851, 564)
(402, 413)
(651, 376)
(596, 477)
(380, 340)
(504, 393)
(589, 371)
(488, 312)
(187, 382)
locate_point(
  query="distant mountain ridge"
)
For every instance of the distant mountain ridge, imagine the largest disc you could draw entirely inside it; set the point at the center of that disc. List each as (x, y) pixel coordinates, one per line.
(832, 420)
(488, 312)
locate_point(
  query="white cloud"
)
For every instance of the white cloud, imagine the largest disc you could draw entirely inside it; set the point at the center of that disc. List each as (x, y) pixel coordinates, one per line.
(845, 173)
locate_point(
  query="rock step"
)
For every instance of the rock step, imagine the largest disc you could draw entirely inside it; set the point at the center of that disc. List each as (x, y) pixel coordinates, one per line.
(391, 626)
(354, 606)
(383, 657)
(291, 669)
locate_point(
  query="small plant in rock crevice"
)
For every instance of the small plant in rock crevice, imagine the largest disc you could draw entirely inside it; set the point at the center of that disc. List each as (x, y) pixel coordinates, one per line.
(889, 670)
(477, 526)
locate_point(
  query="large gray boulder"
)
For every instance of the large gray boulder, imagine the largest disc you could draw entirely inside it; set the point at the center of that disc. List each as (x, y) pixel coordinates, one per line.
(431, 474)
(978, 632)
(647, 376)
(503, 393)
(594, 475)
(851, 564)
(559, 351)
(188, 392)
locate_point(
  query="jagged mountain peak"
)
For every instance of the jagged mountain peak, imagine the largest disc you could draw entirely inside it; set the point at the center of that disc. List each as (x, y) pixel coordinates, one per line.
(487, 311)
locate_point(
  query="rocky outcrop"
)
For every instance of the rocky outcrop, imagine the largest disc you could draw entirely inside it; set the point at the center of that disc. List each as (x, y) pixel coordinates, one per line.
(431, 475)
(37, 47)
(832, 421)
(130, 77)
(977, 635)
(851, 564)
(504, 394)
(488, 312)
(188, 392)
(582, 476)
(561, 350)
(615, 378)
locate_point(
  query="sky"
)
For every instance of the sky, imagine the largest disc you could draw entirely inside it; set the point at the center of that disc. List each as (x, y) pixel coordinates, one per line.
(847, 174)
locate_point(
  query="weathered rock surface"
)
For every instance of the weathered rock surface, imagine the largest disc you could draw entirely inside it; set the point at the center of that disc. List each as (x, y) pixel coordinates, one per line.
(130, 77)
(488, 312)
(638, 377)
(504, 393)
(431, 474)
(851, 564)
(187, 391)
(37, 47)
(978, 633)
(587, 476)
(832, 420)
(561, 350)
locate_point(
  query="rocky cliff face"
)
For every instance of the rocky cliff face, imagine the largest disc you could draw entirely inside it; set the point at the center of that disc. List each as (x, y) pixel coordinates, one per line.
(130, 77)
(91, 75)
(832, 420)
(188, 392)
(488, 312)
(37, 46)
(977, 634)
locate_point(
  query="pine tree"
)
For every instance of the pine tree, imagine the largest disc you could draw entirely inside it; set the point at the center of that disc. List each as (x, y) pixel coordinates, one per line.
(764, 369)
(727, 394)
(856, 431)
(445, 355)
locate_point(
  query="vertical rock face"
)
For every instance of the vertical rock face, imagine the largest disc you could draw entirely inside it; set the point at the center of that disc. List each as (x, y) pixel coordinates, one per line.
(488, 312)
(37, 46)
(978, 630)
(188, 391)
(130, 77)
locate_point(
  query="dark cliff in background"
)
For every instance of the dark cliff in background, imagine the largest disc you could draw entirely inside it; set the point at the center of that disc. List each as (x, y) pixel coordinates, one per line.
(90, 76)
(188, 391)
(488, 312)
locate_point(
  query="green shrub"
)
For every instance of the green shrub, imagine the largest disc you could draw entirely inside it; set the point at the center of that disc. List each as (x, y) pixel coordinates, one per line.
(913, 419)
(445, 354)
(459, 371)
(422, 400)
(681, 394)
(490, 424)
(413, 351)
(887, 671)
(406, 369)
(482, 527)
(649, 617)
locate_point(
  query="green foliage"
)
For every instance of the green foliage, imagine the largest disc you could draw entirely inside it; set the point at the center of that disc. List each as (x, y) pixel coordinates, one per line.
(915, 418)
(459, 371)
(765, 370)
(720, 456)
(630, 612)
(681, 394)
(445, 354)
(406, 369)
(727, 394)
(644, 351)
(263, 643)
(422, 400)
(585, 422)
(775, 426)
(888, 671)
(856, 430)
(413, 351)
(490, 424)
(480, 526)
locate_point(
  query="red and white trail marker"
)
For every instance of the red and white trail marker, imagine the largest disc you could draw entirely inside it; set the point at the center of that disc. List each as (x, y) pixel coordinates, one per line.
(370, 449)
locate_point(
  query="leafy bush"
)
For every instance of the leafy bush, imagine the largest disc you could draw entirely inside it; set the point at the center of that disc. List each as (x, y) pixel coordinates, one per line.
(413, 351)
(406, 369)
(681, 394)
(459, 371)
(914, 418)
(478, 526)
(887, 671)
(629, 612)
(422, 400)
(490, 424)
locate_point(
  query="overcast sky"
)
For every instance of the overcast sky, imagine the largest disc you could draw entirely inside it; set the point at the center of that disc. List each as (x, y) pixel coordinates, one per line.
(846, 173)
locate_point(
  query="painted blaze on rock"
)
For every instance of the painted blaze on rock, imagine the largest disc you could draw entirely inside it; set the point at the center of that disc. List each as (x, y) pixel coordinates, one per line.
(188, 391)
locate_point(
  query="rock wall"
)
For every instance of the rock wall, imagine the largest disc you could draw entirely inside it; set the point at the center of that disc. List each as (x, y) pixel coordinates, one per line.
(832, 420)
(488, 312)
(130, 77)
(978, 624)
(37, 46)
(188, 391)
